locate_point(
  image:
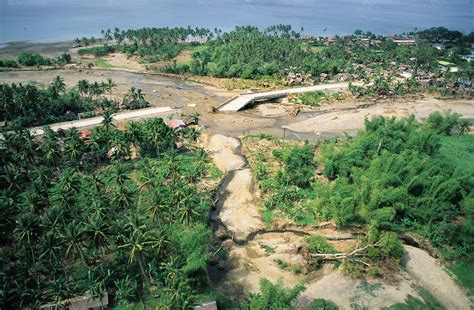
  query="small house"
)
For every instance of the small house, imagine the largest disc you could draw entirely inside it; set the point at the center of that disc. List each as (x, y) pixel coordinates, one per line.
(210, 305)
(176, 124)
(85, 134)
(468, 58)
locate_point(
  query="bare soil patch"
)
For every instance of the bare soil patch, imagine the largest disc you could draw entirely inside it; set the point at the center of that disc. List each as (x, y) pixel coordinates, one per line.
(249, 263)
(429, 273)
(352, 120)
(121, 60)
(239, 213)
(223, 152)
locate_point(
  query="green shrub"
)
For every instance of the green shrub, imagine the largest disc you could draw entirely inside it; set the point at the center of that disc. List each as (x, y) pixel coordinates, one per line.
(8, 63)
(32, 59)
(272, 296)
(282, 264)
(318, 244)
(298, 165)
(323, 304)
(99, 51)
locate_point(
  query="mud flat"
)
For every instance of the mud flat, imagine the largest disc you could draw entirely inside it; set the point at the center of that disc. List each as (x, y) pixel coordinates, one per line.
(54, 49)
(351, 120)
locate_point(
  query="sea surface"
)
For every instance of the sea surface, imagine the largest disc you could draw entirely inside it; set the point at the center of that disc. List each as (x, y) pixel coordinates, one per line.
(60, 20)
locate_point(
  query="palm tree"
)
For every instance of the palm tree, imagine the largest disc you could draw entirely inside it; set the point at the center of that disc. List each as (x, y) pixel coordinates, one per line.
(83, 87)
(50, 247)
(193, 134)
(57, 87)
(122, 197)
(195, 118)
(125, 288)
(50, 146)
(72, 237)
(25, 232)
(134, 135)
(52, 219)
(96, 89)
(138, 244)
(110, 85)
(96, 232)
(121, 150)
(202, 160)
(107, 121)
(98, 291)
(135, 99)
(177, 284)
(74, 147)
(96, 146)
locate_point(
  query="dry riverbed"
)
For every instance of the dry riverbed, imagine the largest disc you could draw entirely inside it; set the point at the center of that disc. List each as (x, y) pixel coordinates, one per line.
(254, 253)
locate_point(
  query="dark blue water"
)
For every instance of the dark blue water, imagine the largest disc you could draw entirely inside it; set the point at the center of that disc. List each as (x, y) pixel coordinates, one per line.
(57, 20)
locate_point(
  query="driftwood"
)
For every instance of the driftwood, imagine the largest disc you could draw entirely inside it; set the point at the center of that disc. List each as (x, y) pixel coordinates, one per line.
(358, 252)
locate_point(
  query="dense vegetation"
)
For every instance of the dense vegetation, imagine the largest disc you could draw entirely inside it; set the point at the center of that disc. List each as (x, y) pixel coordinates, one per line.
(272, 54)
(120, 212)
(30, 105)
(151, 44)
(396, 176)
(247, 52)
(35, 59)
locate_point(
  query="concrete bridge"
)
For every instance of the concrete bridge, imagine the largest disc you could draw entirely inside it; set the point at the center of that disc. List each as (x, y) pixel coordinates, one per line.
(95, 121)
(241, 101)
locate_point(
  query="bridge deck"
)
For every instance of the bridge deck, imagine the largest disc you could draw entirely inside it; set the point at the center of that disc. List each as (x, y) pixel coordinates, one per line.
(94, 121)
(239, 102)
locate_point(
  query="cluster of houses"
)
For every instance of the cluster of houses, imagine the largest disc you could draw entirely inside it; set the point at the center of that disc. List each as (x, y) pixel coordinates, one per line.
(365, 41)
(298, 79)
(361, 40)
(398, 70)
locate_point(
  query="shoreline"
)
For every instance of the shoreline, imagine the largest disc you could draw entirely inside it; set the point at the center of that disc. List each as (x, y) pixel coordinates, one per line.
(49, 49)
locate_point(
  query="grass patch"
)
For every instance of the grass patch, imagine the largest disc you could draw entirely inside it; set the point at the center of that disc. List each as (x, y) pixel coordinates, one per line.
(215, 173)
(296, 269)
(267, 248)
(267, 216)
(282, 264)
(312, 99)
(102, 63)
(464, 272)
(318, 244)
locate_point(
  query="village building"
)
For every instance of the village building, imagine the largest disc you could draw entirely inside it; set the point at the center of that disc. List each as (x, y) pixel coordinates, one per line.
(85, 302)
(176, 124)
(468, 58)
(85, 134)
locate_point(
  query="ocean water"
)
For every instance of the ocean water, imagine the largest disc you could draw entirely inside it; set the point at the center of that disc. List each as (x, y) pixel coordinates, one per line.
(59, 20)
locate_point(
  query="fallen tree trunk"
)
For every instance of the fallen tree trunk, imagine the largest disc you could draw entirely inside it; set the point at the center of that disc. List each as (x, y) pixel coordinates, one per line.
(341, 256)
